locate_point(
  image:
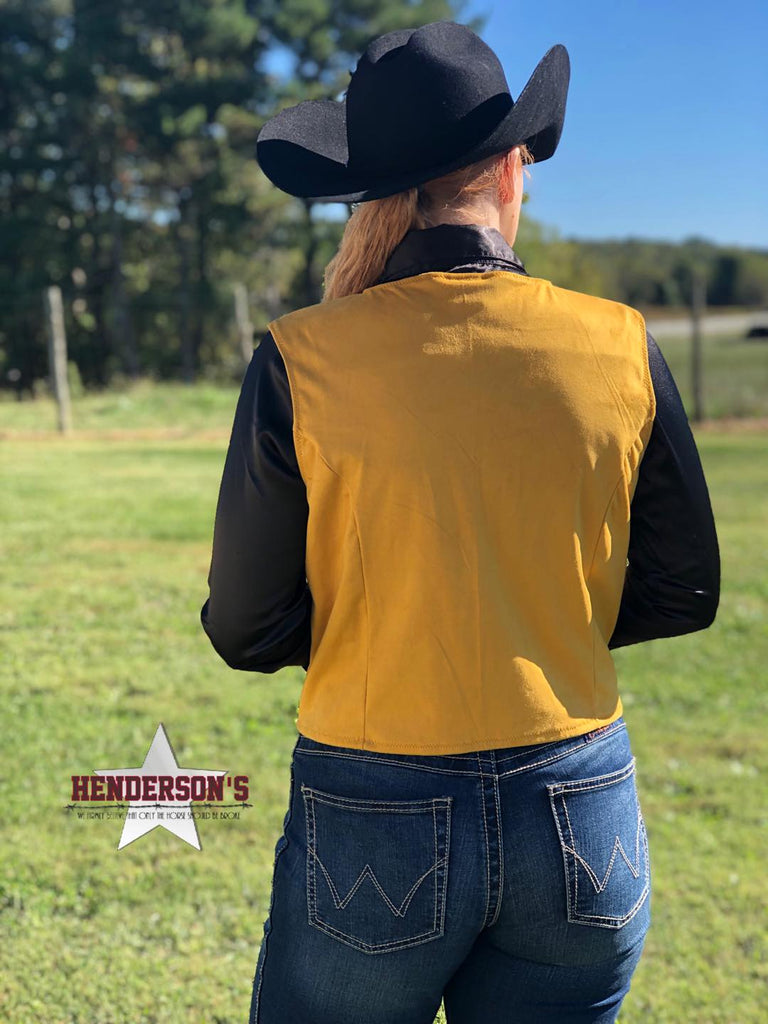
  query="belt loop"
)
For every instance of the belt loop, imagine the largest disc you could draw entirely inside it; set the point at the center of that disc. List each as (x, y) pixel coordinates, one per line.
(486, 760)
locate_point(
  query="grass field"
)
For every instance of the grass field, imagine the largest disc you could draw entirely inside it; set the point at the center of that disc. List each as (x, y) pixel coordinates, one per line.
(735, 373)
(106, 546)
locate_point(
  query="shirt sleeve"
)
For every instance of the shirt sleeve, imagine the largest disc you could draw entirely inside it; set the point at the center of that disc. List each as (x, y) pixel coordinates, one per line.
(257, 614)
(672, 581)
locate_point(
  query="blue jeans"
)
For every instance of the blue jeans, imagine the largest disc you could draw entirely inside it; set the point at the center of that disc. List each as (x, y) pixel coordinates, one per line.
(512, 883)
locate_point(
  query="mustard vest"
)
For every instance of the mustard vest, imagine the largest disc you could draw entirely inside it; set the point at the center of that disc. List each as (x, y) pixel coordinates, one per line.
(470, 444)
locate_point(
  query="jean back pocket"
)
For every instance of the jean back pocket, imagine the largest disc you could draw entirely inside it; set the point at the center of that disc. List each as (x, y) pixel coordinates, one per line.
(604, 845)
(377, 870)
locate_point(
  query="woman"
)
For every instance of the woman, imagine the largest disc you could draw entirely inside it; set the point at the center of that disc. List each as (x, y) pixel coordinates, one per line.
(426, 503)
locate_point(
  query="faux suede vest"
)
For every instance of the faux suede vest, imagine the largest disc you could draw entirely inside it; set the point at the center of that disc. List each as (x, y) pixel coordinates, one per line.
(470, 444)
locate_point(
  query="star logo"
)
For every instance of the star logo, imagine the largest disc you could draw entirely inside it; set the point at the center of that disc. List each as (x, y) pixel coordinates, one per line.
(175, 815)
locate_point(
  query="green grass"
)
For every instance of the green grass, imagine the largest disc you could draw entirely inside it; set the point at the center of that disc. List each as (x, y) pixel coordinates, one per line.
(176, 408)
(734, 374)
(106, 546)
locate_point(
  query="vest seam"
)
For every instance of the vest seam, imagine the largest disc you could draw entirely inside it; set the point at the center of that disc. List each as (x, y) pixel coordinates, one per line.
(295, 404)
(594, 667)
(626, 416)
(617, 396)
(348, 489)
(622, 476)
(302, 468)
(588, 578)
(645, 360)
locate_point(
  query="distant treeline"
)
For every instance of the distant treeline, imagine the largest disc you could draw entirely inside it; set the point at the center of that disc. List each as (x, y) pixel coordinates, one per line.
(646, 273)
(128, 179)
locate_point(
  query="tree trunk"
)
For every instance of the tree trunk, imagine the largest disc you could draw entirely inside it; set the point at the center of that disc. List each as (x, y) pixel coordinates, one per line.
(202, 290)
(310, 287)
(188, 363)
(126, 338)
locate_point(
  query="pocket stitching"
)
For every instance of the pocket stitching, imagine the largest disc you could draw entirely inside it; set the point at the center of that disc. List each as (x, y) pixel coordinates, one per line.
(355, 803)
(585, 785)
(618, 921)
(436, 803)
(595, 782)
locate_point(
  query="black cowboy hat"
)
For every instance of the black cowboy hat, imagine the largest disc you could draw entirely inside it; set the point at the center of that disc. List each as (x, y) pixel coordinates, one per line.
(420, 103)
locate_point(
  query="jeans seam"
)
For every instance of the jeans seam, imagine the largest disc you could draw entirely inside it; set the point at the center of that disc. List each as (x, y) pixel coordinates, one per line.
(487, 846)
(254, 1019)
(466, 755)
(556, 757)
(501, 851)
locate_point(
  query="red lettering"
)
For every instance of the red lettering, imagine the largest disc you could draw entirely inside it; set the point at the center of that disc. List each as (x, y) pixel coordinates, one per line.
(114, 787)
(198, 788)
(132, 787)
(215, 787)
(80, 786)
(166, 787)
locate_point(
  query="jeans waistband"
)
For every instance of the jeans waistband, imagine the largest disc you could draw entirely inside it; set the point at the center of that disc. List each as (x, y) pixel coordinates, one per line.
(509, 759)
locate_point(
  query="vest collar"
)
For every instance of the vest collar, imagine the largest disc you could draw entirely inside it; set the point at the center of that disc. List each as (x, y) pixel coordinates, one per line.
(451, 247)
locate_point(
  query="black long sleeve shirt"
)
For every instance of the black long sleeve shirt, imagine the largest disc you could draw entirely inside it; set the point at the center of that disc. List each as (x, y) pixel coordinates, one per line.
(257, 615)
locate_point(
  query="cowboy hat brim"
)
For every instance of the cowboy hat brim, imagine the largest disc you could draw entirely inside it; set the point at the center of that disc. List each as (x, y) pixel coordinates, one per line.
(303, 148)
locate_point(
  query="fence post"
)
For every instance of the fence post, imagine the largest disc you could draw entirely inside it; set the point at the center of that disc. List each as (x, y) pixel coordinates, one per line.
(57, 356)
(243, 319)
(698, 306)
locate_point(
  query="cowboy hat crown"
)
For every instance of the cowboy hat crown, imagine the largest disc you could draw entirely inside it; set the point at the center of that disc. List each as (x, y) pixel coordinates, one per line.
(420, 103)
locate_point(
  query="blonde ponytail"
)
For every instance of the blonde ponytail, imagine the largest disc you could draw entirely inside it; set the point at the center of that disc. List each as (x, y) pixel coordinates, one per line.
(376, 227)
(373, 230)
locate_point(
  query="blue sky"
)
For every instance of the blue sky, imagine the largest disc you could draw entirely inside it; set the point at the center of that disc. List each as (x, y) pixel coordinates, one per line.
(666, 129)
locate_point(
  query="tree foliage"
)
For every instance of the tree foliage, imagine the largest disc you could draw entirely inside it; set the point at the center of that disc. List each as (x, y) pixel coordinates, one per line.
(128, 178)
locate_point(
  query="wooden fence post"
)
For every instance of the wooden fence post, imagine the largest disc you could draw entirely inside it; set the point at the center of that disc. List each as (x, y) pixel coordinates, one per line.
(57, 356)
(243, 318)
(698, 306)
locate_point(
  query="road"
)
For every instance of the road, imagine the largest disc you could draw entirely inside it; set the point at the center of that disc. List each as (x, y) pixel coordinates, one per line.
(712, 323)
